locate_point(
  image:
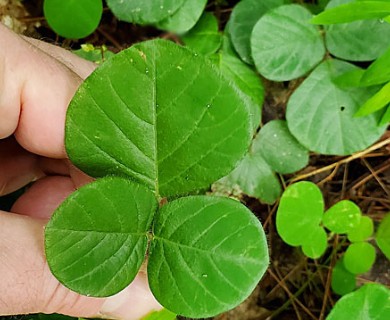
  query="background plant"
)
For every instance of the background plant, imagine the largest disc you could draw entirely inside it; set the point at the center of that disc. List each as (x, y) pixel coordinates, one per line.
(333, 91)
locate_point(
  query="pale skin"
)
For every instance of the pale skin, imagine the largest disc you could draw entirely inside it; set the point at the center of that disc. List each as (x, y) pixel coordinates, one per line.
(37, 81)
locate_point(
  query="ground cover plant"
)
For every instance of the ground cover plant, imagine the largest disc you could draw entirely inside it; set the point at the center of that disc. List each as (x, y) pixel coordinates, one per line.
(254, 98)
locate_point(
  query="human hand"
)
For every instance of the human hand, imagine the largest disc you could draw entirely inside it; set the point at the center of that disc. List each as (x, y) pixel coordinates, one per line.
(37, 82)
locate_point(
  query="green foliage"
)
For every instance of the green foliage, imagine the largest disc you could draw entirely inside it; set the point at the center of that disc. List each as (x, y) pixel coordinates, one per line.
(343, 217)
(242, 20)
(253, 176)
(284, 44)
(94, 54)
(102, 247)
(359, 257)
(73, 18)
(164, 142)
(378, 72)
(144, 12)
(204, 37)
(299, 216)
(343, 281)
(361, 231)
(198, 253)
(378, 101)
(383, 236)
(370, 302)
(160, 315)
(273, 138)
(320, 114)
(353, 11)
(367, 39)
(171, 139)
(184, 18)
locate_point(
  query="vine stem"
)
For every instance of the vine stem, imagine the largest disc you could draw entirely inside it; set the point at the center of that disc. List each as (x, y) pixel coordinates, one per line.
(343, 161)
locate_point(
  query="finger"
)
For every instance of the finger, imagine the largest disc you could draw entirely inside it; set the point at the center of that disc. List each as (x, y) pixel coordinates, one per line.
(82, 67)
(17, 166)
(36, 90)
(44, 196)
(27, 285)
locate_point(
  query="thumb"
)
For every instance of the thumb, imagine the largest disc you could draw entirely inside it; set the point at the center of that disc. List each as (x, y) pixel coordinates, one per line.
(27, 285)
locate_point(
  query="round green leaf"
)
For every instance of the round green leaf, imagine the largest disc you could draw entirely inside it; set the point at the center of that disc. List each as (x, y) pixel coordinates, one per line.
(161, 115)
(370, 302)
(184, 18)
(280, 149)
(207, 255)
(382, 236)
(164, 314)
(359, 257)
(204, 37)
(73, 19)
(242, 20)
(362, 231)
(315, 246)
(321, 115)
(285, 45)
(342, 217)
(96, 240)
(245, 79)
(300, 213)
(362, 40)
(253, 176)
(343, 281)
(144, 12)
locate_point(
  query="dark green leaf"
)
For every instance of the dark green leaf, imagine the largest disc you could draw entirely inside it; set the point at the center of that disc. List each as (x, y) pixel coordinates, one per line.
(280, 149)
(73, 19)
(370, 302)
(204, 37)
(357, 41)
(285, 45)
(386, 117)
(144, 12)
(343, 281)
(242, 20)
(161, 115)
(321, 115)
(96, 240)
(207, 255)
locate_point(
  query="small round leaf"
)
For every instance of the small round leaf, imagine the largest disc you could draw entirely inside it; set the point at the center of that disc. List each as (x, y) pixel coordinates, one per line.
(359, 257)
(96, 240)
(207, 255)
(242, 20)
(382, 236)
(342, 217)
(315, 246)
(73, 19)
(204, 37)
(321, 115)
(370, 302)
(280, 149)
(285, 45)
(300, 213)
(362, 231)
(184, 18)
(343, 281)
